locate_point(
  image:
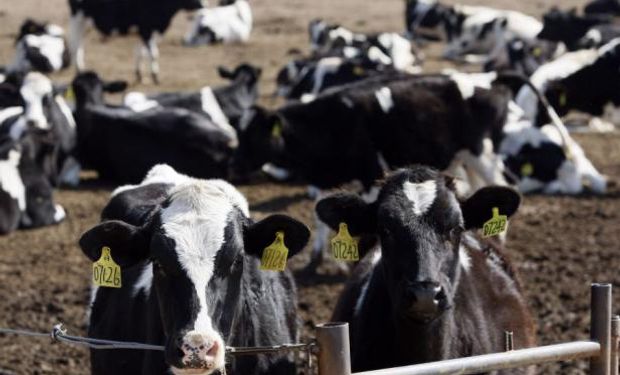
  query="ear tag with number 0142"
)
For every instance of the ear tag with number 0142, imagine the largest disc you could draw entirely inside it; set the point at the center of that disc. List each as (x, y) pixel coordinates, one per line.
(344, 247)
(275, 255)
(496, 225)
(106, 272)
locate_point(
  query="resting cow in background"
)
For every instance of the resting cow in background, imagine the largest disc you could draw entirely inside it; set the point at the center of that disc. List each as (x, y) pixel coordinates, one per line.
(122, 145)
(189, 256)
(603, 7)
(574, 30)
(431, 289)
(39, 47)
(149, 16)
(224, 24)
(223, 104)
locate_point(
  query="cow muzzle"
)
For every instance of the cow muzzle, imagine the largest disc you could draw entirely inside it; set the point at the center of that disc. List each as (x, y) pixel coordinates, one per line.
(426, 301)
(199, 354)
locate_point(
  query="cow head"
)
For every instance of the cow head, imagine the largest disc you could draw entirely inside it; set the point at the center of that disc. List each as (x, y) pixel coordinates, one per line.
(260, 139)
(40, 47)
(200, 243)
(88, 88)
(245, 74)
(420, 226)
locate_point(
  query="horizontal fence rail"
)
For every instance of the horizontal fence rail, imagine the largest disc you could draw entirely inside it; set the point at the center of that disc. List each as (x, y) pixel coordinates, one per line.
(498, 361)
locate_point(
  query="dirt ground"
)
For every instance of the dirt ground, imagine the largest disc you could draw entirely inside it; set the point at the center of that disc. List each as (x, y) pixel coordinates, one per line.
(560, 244)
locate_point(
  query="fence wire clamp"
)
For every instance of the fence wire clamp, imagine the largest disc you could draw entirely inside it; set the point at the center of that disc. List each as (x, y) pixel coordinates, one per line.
(57, 332)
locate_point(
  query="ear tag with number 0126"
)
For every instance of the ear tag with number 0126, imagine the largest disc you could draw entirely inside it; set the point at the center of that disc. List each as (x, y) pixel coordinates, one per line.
(275, 255)
(344, 247)
(496, 225)
(106, 272)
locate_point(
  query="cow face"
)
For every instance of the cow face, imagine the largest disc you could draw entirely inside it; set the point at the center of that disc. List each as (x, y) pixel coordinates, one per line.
(198, 243)
(420, 224)
(41, 47)
(89, 88)
(259, 141)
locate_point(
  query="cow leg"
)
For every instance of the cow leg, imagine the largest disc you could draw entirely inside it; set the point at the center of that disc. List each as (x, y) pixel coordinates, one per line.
(153, 52)
(141, 51)
(77, 28)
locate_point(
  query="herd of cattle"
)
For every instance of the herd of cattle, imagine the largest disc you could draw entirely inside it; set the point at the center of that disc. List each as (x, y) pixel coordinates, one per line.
(430, 156)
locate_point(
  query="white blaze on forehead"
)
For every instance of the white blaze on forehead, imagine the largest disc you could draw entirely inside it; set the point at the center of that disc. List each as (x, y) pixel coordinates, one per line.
(196, 219)
(422, 195)
(384, 97)
(34, 88)
(10, 179)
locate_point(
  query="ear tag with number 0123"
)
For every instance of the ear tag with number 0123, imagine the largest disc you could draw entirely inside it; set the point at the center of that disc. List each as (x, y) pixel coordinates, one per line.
(275, 255)
(106, 272)
(496, 225)
(344, 247)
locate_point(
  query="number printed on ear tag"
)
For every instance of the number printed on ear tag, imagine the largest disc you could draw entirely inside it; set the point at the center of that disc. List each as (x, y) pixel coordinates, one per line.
(106, 272)
(275, 255)
(344, 247)
(496, 225)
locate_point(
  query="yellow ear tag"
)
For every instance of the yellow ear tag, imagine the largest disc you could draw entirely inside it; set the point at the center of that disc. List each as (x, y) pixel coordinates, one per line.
(537, 52)
(358, 71)
(562, 99)
(69, 94)
(344, 247)
(527, 169)
(275, 255)
(106, 272)
(276, 131)
(496, 225)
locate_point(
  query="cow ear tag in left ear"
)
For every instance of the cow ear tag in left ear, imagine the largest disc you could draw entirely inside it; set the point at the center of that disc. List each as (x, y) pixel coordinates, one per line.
(344, 247)
(275, 255)
(106, 272)
(496, 225)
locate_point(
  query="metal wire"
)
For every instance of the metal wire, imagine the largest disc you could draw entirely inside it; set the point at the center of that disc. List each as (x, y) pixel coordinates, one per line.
(59, 334)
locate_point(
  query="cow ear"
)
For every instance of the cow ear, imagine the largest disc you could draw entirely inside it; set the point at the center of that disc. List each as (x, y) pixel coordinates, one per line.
(263, 233)
(360, 217)
(225, 72)
(478, 209)
(115, 86)
(128, 244)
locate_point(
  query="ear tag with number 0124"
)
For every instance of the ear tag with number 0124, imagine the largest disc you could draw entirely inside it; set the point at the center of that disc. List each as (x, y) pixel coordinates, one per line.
(496, 225)
(344, 247)
(106, 272)
(275, 255)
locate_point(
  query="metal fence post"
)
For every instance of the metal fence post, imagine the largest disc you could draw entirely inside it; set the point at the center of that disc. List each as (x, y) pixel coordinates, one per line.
(600, 327)
(334, 349)
(615, 344)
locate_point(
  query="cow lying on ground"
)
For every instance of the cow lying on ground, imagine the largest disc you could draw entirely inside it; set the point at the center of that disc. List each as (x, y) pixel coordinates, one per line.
(602, 7)
(224, 104)
(149, 16)
(428, 19)
(583, 80)
(431, 289)
(571, 29)
(39, 47)
(358, 131)
(26, 195)
(189, 254)
(122, 145)
(522, 57)
(223, 24)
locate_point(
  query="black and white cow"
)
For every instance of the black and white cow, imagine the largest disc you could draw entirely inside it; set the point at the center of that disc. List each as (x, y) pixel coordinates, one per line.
(151, 17)
(224, 104)
(431, 20)
(122, 145)
(523, 57)
(189, 254)
(39, 47)
(583, 80)
(26, 195)
(41, 107)
(230, 23)
(602, 7)
(487, 30)
(359, 131)
(569, 28)
(431, 289)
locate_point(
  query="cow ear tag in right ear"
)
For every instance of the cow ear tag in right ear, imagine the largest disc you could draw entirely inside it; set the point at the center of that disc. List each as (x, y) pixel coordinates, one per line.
(106, 272)
(344, 247)
(275, 255)
(496, 225)
(70, 94)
